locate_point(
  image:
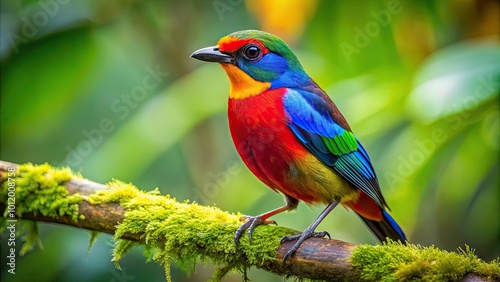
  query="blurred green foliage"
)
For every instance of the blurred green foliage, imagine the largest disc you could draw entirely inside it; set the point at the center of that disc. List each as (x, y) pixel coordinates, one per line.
(108, 88)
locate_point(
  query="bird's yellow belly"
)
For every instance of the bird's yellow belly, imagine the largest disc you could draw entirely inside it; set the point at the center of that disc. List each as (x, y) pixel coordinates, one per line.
(311, 181)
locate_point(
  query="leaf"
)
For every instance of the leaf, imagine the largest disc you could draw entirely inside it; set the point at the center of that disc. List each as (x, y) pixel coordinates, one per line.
(456, 79)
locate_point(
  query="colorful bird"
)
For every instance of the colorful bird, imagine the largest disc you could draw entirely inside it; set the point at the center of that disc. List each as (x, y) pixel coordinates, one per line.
(293, 137)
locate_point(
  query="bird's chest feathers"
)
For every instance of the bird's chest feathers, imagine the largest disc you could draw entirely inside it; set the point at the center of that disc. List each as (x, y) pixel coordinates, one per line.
(243, 86)
(260, 131)
(259, 121)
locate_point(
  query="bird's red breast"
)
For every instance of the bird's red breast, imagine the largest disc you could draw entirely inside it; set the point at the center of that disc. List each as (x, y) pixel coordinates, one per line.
(259, 132)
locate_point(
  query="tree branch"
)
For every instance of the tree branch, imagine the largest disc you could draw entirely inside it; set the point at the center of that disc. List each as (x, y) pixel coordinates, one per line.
(98, 217)
(104, 209)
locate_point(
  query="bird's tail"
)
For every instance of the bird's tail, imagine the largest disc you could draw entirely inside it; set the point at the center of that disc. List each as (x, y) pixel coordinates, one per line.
(377, 219)
(386, 228)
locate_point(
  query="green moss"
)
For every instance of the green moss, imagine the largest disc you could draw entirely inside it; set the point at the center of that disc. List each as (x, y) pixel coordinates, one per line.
(94, 235)
(397, 262)
(187, 232)
(39, 189)
(30, 237)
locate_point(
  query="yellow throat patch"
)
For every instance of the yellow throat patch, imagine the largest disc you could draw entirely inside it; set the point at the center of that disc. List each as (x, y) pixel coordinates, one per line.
(241, 84)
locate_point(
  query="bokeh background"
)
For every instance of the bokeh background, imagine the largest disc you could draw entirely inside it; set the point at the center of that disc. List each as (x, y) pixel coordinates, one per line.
(108, 88)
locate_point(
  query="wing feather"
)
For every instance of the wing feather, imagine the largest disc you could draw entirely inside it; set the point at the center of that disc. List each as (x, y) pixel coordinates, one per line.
(335, 146)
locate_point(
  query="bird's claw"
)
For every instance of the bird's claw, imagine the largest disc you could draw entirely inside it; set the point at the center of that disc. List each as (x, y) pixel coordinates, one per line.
(300, 239)
(250, 223)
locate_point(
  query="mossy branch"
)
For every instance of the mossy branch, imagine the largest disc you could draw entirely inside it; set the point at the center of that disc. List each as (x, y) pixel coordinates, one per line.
(188, 232)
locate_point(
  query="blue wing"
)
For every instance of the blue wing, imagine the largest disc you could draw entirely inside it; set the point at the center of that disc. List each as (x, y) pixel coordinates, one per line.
(312, 120)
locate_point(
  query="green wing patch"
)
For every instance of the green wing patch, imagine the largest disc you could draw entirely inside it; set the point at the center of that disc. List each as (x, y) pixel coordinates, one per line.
(341, 144)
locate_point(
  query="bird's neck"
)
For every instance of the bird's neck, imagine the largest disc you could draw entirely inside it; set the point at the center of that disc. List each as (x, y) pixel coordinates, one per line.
(242, 85)
(293, 80)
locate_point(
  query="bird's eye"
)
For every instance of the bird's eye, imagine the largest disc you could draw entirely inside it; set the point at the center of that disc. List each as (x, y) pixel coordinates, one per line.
(252, 52)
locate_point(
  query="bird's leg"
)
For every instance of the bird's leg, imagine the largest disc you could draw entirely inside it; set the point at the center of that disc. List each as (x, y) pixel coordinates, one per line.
(252, 221)
(309, 232)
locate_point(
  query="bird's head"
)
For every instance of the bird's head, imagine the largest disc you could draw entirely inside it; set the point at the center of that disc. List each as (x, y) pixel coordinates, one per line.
(255, 61)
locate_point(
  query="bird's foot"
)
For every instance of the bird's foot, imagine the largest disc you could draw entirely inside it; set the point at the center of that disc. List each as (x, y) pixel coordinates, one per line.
(308, 233)
(250, 223)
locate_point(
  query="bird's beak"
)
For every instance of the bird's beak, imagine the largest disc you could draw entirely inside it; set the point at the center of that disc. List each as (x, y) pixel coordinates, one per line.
(212, 54)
